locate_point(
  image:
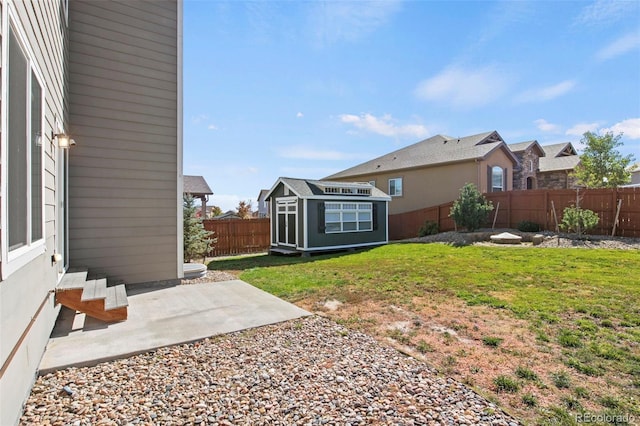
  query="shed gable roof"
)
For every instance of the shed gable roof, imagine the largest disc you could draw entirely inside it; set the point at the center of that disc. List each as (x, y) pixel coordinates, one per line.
(436, 150)
(308, 188)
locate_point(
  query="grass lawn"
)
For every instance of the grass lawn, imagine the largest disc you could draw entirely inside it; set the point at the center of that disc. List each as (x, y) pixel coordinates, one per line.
(551, 334)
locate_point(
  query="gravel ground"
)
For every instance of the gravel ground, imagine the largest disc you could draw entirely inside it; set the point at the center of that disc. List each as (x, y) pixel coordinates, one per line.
(550, 239)
(212, 276)
(310, 371)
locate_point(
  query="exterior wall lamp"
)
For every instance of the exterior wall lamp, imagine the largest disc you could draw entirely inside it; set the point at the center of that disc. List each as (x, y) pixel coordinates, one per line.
(64, 140)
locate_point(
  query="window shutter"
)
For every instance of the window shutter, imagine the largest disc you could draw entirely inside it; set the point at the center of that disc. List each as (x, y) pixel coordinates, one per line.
(374, 216)
(321, 224)
(504, 179)
(489, 180)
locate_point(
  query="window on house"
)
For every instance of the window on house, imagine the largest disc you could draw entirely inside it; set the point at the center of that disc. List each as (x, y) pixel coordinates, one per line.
(348, 217)
(531, 165)
(395, 187)
(24, 140)
(497, 179)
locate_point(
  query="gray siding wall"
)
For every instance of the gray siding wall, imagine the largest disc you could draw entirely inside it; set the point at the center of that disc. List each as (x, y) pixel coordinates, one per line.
(27, 311)
(124, 172)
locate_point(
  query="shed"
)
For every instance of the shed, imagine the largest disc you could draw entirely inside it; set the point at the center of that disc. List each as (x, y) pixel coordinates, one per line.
(312, 215)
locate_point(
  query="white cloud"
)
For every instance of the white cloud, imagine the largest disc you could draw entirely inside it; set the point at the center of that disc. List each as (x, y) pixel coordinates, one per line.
(305, 153)
(333, 21)
(299, 115)
(603, 12)
(547, 93)
(545, 126)
(581, 128)
(199, 118)
(466, 88)
(630, 128)
(385, 125)
(620, 46)
(212, 127)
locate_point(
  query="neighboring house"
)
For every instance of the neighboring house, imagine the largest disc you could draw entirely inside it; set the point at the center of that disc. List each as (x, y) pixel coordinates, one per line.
(107, 74)
(635, 175)
(263, 205)
(227, 216)
(197, 187)
(311, 215)
(525, 174)
(557, 165)
(433, 171)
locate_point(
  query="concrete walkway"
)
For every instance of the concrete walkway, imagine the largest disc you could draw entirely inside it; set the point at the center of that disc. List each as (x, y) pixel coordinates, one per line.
(163, 317)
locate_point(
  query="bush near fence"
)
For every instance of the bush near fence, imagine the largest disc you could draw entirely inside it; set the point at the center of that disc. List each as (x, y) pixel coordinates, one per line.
(239, 236)
(535, 206)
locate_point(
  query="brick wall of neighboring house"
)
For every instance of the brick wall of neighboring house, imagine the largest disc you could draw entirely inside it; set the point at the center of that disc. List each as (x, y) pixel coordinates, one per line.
(528, 167)
(556, 180)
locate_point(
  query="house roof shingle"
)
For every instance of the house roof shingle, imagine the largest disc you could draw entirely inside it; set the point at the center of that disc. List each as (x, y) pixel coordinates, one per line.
(522, 146)
(438, 149)
(559, 156)
(196, 185)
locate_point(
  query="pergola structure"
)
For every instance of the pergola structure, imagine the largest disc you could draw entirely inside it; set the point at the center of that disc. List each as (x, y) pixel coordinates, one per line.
(197, 187)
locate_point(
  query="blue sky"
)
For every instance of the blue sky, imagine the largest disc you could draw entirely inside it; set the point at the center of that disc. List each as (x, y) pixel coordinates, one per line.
(306, 89)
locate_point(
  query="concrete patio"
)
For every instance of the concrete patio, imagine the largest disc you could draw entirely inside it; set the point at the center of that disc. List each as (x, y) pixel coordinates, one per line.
(163, 317)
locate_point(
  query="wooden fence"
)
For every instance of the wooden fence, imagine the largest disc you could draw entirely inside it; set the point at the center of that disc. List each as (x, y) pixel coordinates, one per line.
(536, 206)
(239, 236)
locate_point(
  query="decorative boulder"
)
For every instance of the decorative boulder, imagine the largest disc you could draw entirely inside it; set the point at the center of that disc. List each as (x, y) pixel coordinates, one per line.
(506, 238)
(537, 239)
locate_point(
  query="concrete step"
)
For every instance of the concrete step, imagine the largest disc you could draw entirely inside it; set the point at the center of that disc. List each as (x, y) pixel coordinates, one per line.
(94, 290)
(116, 298)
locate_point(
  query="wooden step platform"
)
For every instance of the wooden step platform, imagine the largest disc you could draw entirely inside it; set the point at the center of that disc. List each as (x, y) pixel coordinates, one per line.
(92, 296)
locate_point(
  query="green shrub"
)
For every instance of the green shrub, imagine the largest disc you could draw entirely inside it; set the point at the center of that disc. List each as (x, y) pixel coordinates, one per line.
(492, 341)
(561, 379)
(471, 209)
(506, 384)
(529, 400)
(525, 373)
(568, 339)
(575, 219)
(581, 392)
(528, 226)
(429, 228)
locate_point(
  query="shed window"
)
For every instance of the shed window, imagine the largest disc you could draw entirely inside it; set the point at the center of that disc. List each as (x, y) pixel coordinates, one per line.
(348, 217)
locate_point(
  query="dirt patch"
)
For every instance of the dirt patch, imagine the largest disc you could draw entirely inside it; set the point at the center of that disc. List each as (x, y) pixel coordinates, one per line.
(473, 344)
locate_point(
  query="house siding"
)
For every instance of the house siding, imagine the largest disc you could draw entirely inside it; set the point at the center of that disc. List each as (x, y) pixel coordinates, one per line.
(124, 173)
(27, 310)
(424, 186)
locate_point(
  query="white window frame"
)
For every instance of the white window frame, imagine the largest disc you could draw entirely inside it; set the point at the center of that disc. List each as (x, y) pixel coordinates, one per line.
(502, 179)
(343, 209)
(395, 192)
(15, 259)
